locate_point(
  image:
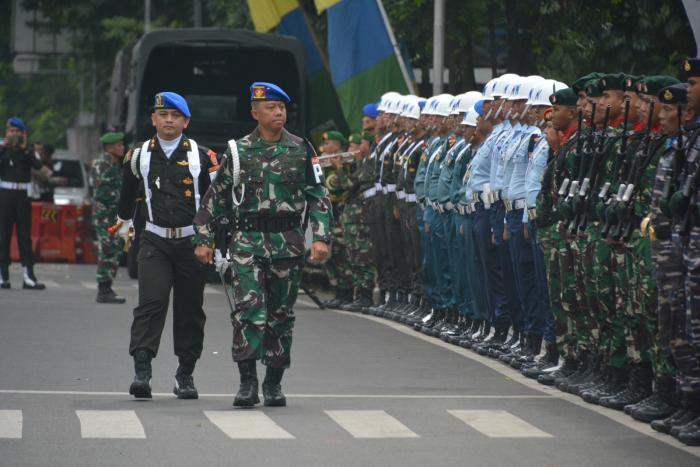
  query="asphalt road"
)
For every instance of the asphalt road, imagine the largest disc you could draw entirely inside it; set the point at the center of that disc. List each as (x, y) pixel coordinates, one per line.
(361, 392)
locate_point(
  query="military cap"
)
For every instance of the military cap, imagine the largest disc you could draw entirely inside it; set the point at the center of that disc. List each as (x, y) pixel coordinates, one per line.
(335, 136)
(674, 94)
(260, 91)
(479, 107)
(17, 123)
(690, 67)
(112, 137)
(371, 110)
(592, 88)
(580, 84)
(171, 100)
(355, 138)
(632, 82)
(613, 82)
(653, 84)
(565, 96)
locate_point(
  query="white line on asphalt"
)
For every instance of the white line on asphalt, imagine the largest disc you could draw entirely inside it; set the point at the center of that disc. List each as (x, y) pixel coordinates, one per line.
(10, 424)
(518, 377)
(247, 424)
(122, 424)
(297, 396)
(499, 424)
(370, 424)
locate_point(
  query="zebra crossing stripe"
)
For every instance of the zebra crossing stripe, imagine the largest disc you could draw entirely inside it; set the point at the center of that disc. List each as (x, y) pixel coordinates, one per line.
(10, 424)
(246, 424)
(499, 424)
(110, 424)
(370, 424)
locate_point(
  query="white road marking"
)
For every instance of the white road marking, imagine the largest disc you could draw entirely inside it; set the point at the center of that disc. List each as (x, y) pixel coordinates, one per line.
(10, 424)
(247, 424)
(122, 424)
(298, 396)
(499, 424)
(370, 424)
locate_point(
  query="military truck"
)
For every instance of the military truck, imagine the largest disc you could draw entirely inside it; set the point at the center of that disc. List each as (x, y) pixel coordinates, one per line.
(213, 69)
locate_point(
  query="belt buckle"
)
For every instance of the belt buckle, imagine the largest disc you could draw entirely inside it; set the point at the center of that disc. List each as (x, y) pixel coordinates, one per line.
(172, 232)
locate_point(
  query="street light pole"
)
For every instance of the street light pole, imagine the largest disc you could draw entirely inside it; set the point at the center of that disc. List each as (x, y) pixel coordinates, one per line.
(438, 45)
(147, 16)
(197, 13)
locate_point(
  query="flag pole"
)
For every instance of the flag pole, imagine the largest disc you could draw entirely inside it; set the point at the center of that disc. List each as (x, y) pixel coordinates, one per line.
(402, 65)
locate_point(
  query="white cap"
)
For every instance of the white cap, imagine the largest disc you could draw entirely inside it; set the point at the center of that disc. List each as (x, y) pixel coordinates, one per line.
(385, 99)
(470, 117)
(441, 105)
(499, 90)
(539, 95)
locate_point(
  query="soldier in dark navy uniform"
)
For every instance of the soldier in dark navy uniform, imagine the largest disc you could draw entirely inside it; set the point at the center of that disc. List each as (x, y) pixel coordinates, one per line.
(16, 161)
(171, 172)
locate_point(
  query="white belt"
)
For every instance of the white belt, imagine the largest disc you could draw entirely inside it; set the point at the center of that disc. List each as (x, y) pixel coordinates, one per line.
(369, 193)
(14, 185)
(460, 209)
(378, 186)
(411, 197)
(384, 190)
(170, 232)
(390, 188)
(519, 203)
(401, 194)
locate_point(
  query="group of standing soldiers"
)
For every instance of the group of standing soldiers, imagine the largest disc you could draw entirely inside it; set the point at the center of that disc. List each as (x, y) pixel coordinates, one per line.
(538, 213)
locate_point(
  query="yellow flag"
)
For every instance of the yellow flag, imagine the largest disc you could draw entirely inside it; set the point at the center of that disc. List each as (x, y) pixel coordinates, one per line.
(322, 5)
(267, 14)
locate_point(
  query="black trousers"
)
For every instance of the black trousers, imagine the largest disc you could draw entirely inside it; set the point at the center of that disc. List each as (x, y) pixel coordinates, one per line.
(15, 209)
(166, 264)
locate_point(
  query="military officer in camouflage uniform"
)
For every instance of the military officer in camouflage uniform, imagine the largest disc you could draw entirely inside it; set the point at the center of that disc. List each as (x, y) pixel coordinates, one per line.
(271, 177)
(107, 179)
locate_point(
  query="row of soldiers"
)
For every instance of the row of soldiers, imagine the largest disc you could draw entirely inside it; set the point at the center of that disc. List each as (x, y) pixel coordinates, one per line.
(553, 227)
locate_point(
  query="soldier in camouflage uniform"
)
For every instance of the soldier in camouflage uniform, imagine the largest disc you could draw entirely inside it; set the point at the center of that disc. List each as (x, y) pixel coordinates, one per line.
(107, 179)
(353, 221)
(340, 274)
(271, 176)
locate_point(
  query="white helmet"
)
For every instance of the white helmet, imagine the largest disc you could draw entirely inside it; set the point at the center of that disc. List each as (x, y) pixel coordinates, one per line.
(488, 89)
(411, 107)
(395, 105)
(385, 99)
(464, 102)
(470, 117)
(522, 90)
(442, 105)
(499, 90)
(539, 95)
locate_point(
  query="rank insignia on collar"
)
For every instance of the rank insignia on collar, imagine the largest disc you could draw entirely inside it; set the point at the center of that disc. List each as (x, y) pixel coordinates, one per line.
(153, 143)
(668, 95)
(182, 163)
(185, 144)
(187, 181)
(686, 65)
(188, 193)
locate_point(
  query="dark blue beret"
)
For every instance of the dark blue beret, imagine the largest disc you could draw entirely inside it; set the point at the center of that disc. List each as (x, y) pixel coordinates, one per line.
(371, 110)
(260, 91)
(17, 123)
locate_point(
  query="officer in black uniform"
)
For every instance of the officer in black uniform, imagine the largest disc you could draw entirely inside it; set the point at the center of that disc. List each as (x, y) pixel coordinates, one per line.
(171, 172)
(16, 161)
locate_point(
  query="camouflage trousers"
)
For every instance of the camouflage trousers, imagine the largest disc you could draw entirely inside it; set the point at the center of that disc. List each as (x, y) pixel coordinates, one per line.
(108, 249)
(584, 295)
(265, 291)
(686, 349)
(550, 243)
(360, 255)
(338, 265)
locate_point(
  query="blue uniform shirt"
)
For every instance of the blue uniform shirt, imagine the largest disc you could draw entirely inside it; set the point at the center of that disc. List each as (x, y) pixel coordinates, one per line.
(460, 167)
(447, 171)
(480, 173)
(534, 173)
(519, 160)
(419, 182)
(432, 173)
(500, 145)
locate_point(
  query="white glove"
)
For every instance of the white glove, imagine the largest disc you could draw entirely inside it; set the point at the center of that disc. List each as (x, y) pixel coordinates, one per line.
(124, 228)
(221, 264)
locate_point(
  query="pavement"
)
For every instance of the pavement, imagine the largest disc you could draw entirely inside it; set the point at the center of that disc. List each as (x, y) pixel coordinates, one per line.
(361, 391)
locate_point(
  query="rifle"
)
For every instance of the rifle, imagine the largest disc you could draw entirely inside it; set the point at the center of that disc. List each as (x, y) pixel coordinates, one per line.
(591, 180)
(621, 164)
(583, 161)
(577, 158)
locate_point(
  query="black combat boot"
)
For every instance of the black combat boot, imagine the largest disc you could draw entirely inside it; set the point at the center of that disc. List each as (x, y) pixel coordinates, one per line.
(105, 294)
(391, 311)
(413, 309)
(549, 378)
(141, 386)
(379, 309)
(184, 383)
(616, 382)
(272, 388)
(693, 405)
(638, 388)
(680, 417)
(364, 300)
(30, 280)
(342, 297)
(382, 301)
(658, 406)
(247, 395)
(549, 360)
(5, 277)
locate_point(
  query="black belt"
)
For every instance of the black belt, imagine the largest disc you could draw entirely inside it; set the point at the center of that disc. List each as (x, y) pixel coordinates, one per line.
(268, 224)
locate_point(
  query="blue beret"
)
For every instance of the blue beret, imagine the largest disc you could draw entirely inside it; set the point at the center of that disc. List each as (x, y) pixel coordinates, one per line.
(171, 100)
(371, 110)
(17, 123)
(260, 91)
(479, 107)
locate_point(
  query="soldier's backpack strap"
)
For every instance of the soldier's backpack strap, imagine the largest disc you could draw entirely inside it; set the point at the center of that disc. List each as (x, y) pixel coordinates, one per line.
(236, 173)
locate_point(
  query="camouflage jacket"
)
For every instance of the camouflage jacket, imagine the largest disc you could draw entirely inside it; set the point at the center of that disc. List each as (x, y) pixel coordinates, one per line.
(276, 180)
(107, 178)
